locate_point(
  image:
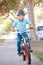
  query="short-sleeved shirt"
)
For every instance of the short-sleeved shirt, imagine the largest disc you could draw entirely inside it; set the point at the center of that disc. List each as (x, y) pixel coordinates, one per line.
(21, 26)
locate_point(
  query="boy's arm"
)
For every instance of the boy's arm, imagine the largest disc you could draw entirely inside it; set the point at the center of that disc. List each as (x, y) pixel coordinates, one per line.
(14, 25)
(30, 24)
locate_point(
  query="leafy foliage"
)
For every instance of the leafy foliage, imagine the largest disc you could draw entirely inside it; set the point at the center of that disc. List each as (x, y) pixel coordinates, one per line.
(6, 5)
(37, 2)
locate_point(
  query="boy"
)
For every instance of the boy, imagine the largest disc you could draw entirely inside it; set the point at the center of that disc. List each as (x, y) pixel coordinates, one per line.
(20, 24)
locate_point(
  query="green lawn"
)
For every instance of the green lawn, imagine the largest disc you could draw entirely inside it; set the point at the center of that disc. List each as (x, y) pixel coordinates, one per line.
(39, 56)
(2, 40)
(37, 47)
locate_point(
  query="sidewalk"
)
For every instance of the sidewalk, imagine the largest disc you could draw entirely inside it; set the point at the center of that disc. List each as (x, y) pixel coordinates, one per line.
(8, 55)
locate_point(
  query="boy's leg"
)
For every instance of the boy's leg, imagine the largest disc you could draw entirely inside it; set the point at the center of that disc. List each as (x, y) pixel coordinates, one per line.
(27, 39)
(18, 42)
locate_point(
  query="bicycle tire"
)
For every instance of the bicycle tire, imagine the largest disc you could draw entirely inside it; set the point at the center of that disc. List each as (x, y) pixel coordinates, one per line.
(29, 59)
(28, 56)
(23, 57)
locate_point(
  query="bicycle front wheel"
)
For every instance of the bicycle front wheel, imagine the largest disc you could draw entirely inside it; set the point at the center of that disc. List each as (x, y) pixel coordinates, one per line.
(28, 56)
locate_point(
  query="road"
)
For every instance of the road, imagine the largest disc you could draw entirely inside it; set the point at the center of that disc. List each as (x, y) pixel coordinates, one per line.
(8, 55)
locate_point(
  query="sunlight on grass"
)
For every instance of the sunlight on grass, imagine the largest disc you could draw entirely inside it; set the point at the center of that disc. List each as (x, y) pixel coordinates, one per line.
(2, 40)
(39, 56)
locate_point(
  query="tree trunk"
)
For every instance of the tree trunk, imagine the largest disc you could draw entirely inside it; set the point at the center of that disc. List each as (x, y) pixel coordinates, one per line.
(30, 7)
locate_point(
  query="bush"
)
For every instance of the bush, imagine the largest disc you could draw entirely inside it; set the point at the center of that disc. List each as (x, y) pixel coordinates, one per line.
(7, 26)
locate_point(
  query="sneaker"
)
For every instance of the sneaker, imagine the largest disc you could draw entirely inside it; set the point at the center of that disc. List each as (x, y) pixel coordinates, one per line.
(19, 54)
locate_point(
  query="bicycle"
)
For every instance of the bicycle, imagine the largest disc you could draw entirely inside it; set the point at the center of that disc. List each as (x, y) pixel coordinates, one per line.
(25, 50)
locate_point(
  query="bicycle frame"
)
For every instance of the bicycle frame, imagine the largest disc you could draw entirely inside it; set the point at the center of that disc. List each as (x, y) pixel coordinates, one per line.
(24, 45)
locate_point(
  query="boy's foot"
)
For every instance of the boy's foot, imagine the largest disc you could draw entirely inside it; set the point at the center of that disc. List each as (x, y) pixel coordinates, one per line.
(19, 53)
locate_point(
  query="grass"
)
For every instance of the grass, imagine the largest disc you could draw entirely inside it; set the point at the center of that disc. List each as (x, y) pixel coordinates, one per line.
(37, 47)
(2, 40)
(39, 56)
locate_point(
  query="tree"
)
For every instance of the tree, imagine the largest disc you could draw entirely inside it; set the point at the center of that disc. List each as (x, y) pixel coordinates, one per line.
(30, 7)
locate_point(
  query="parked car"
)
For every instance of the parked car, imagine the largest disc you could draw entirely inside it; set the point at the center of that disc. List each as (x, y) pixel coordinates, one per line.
(40, 32)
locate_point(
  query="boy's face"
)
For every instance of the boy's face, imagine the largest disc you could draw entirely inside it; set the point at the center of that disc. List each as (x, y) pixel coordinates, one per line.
(20, 17)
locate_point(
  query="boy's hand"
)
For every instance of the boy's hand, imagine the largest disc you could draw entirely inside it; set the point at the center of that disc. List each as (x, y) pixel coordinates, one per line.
(32, 27)
(12, 29)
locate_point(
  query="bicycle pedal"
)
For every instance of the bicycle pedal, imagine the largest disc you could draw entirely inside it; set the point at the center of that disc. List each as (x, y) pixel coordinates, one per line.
(31, 51)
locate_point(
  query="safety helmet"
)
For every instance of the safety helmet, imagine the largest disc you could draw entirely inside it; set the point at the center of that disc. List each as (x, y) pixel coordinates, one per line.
(20, 12)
